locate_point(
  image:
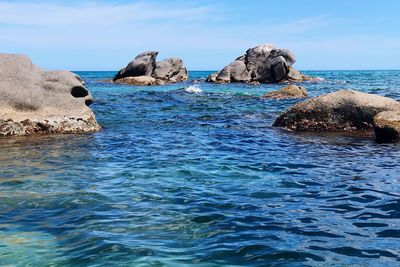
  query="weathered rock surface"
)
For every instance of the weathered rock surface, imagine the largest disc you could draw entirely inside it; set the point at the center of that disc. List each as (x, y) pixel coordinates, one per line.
(144, 70)
(288, 92)
(36, 101)
(143, 65)
(344, 110)
(387, 126)
(234, 72)
(212, 78)
(264, 63)
(296, 76)
(140, 80)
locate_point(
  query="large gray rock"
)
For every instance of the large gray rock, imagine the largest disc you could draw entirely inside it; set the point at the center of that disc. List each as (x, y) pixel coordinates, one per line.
(276, 70)
(263, 63)
(169, 70)
(36, 101)
(234, 72)
(143, 65)
(256, 60)
(344, 110)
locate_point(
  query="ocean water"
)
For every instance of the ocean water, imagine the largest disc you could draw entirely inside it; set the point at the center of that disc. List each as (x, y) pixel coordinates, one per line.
(193, 174)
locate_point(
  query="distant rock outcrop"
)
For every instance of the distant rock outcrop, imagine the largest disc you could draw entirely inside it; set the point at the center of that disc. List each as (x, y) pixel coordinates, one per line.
(36, 101)
(144, 70)
(264, 64)
(288, 92)
(344, 110)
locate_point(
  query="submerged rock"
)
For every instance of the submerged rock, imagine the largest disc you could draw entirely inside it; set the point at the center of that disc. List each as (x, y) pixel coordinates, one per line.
(264, 63)
(288, 92)
(144, 70)
(36, 101)
(387, 126)
(344, 110)
(140, 80)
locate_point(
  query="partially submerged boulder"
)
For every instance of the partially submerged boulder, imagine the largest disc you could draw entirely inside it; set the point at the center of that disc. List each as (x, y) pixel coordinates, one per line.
(288, 92)
(387, 126)
(344, 110)
(140, 80)
(264, 63)
(144, 70)
(36, 101)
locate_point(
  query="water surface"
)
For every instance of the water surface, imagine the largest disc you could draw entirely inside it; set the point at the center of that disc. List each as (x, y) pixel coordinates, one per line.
(201, 179)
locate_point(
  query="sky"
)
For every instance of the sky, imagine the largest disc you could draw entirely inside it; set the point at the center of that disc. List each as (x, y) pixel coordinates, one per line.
(207, 35)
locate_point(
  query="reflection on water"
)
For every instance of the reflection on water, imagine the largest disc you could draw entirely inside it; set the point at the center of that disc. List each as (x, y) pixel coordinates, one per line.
(201, 179)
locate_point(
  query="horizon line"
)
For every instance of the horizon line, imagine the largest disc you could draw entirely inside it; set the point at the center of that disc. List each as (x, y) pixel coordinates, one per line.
(219, 70)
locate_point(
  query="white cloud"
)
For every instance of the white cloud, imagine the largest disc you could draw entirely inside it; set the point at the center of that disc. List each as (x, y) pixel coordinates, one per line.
(96, 14)
(100, 35)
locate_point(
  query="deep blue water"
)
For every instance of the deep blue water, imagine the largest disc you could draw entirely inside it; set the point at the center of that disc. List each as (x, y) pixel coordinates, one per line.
(201, 179)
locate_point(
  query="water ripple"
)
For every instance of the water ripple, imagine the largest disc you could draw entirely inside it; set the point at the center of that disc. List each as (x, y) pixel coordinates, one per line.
(201, 179)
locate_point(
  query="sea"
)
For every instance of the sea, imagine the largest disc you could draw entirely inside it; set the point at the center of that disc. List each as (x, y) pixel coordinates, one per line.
(194, 174)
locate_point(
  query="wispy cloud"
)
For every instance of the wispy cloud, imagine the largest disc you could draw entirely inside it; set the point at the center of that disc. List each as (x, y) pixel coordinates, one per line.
(97, 14)
(139, 25)
(104, 34)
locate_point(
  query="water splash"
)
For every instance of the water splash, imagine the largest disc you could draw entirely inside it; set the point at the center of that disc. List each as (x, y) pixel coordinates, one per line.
(193, 89)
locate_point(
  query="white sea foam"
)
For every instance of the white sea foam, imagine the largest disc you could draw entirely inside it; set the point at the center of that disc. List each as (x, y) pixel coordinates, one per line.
(194, 89)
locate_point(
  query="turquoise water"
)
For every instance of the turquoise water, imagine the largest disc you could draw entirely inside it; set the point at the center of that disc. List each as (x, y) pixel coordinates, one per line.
(201, 179)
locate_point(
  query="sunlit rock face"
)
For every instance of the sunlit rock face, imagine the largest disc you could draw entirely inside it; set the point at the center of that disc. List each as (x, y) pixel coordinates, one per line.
(344, 110)
(291, 91)
(36, 101)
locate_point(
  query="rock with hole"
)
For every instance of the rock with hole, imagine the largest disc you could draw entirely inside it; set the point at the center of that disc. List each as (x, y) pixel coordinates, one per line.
(36, 101)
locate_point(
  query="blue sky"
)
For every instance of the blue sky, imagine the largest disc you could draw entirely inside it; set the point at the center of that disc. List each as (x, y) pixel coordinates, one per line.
(106, 35)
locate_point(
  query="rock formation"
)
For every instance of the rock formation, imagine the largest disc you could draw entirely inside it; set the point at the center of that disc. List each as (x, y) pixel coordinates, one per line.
(288, 92)
(264, 64)
(36, 101)
(144, 70)
(344, 110)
